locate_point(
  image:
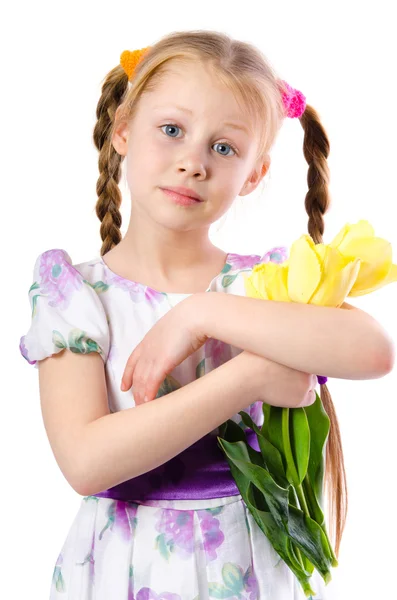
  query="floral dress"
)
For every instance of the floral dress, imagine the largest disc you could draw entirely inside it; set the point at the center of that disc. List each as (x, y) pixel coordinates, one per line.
(146, 547)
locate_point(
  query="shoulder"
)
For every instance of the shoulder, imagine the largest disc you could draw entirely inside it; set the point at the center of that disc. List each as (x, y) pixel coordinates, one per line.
(55, 268)
(51, 263)
(62, 283)
(66, 311)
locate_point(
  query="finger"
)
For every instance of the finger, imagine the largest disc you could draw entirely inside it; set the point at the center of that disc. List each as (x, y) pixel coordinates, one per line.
(154, 381)
(141, 377)
(126, 379)
(151, 382)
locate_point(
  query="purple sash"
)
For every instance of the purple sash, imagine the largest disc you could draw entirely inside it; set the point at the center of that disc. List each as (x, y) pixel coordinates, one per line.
(201, 471)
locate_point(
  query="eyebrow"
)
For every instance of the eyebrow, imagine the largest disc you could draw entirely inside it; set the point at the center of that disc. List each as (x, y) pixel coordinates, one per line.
(190, 112)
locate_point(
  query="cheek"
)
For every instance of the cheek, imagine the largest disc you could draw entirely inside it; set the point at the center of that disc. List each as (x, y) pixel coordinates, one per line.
(145, 163)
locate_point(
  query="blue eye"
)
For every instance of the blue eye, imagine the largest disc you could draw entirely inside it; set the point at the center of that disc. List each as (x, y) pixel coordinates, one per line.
(173, 126)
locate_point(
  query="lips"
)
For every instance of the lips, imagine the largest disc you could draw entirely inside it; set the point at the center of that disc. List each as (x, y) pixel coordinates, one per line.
(185, 192)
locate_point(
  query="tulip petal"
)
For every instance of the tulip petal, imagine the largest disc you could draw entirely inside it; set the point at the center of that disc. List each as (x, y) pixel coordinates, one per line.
(376, 260)
(340, 276)
(390, 278)
(332, 263)
(359, 230)
(305, 270)
(277, 286)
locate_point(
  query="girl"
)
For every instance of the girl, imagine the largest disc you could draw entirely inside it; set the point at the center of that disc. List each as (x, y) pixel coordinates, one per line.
(195, 115)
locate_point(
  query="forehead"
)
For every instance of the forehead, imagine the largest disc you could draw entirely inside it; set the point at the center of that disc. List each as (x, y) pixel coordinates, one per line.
(196, 88)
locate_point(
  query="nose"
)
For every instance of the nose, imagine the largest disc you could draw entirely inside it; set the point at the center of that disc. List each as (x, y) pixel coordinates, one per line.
(193, 165)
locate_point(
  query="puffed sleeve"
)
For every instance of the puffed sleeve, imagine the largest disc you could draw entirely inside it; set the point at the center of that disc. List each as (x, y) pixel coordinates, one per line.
(66, 311)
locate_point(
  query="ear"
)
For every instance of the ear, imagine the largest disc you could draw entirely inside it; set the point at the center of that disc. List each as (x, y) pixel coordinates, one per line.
(120, 135)
(255, 177)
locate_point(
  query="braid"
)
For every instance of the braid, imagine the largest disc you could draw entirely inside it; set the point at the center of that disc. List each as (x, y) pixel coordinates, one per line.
(109, 161)
(317, 201)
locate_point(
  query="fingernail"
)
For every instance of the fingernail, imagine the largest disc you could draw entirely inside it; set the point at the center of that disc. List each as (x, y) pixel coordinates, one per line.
(146, 399)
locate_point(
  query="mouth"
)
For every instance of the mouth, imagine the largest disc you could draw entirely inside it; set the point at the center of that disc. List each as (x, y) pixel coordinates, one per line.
(184, 193)
(180, 198)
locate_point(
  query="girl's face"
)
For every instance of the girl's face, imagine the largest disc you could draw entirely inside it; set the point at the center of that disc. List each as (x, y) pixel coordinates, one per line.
(191, 132)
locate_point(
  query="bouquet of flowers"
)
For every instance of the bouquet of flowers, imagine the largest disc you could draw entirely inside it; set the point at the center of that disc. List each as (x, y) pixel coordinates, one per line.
(282, 485)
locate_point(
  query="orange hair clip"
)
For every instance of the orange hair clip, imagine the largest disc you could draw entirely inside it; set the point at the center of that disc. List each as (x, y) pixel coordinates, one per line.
(129, 60)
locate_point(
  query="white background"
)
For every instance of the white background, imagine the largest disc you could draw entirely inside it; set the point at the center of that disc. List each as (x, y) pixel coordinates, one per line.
(54, 56)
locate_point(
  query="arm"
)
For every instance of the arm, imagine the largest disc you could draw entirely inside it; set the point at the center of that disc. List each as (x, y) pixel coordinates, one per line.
(122, 445)
(346, 344)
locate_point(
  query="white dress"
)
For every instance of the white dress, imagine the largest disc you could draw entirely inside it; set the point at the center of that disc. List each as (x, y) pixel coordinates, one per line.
(150, 548)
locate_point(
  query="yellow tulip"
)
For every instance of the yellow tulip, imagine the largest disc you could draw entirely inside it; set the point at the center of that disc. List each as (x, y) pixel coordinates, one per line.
(353, 264)
(376, 268)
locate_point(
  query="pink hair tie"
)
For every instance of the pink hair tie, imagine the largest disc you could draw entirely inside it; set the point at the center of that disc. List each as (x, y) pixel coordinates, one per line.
(294, 101)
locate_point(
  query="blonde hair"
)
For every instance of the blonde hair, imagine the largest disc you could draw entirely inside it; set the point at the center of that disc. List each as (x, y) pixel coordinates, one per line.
(247, 73)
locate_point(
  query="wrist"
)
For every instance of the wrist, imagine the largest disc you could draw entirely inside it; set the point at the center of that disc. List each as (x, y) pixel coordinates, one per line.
(199, 311)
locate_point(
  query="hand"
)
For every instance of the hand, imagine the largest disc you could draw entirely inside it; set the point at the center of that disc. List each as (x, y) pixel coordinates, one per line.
(174, 337)
(276, 384)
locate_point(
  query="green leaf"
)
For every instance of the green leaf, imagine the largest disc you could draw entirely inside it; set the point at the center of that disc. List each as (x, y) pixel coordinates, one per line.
(98, 286)
(272, 429)
(275, 496)
(300, 440)
(58, 580)
(270, 454)
(233, 578)
(217, 590)
(319, 424)
(303, 530)
(228, 279)
(161, 545)
(310, 538)
(80, 343)
(297, 439)
(247, 420)
(58, 340)
(34, 300)
(278, 538)
(233, 432)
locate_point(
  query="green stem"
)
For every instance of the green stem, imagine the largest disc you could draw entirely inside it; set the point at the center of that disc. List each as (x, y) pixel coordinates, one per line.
(302, 500)
(291, 472)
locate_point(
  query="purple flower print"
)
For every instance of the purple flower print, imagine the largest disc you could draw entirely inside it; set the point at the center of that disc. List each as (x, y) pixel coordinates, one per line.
(278, 254)
(242, 261)
(251, 584)
(24, 351)
(137, 291)
(147, 593)
(176, 532)
(122, 519)
(212, 534)
(216, 352)
(58, 278)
